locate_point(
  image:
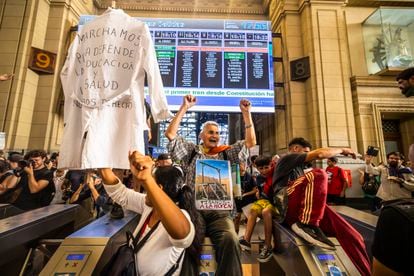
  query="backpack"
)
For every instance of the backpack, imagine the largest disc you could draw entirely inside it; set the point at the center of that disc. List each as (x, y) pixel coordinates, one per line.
(348, 176)
(371, 184)
(403, 206)
(123, 263)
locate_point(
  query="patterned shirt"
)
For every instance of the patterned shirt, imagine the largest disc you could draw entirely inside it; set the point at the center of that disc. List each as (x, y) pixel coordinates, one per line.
(181, 151)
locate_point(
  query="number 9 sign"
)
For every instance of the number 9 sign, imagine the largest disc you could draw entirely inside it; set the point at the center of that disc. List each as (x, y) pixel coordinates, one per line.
(42, 61)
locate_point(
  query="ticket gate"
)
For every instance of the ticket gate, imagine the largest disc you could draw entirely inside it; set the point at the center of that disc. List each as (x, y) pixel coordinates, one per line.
(297, 257)
(86, 251)
(8, 210)
(208, 264)
(365, 223)
(20, 233)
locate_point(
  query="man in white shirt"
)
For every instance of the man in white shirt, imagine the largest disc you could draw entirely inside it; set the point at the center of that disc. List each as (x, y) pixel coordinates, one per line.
(397, 181)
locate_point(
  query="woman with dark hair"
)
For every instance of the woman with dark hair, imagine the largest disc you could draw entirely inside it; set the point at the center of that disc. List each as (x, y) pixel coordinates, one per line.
(172, 180)
(176, 230)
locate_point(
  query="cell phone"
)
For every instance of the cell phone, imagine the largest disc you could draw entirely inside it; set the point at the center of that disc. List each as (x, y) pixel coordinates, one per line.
(373, 151)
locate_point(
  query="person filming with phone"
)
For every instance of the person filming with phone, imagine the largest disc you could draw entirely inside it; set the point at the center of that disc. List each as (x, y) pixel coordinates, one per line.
(397, 181)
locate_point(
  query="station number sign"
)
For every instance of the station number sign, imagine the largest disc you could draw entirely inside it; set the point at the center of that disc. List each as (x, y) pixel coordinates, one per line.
(42, 61)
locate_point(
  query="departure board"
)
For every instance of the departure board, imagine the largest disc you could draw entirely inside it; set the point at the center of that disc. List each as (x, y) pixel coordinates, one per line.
(218, 61)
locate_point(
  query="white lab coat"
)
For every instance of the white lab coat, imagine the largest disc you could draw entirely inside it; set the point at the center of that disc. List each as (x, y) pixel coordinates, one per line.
(103, 82)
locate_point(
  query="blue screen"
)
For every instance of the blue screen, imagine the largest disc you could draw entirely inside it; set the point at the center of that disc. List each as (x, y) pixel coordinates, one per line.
(206, 257)
(326, 257)
(75, 257)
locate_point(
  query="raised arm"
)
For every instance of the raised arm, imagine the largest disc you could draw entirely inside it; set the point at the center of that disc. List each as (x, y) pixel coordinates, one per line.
(76, 194)
(91, 184)
(173, 219)
(108, 176)
(188, 102)
(361, 176)
(245, 107)
(35, 186)
(369, 168)
(324, 153)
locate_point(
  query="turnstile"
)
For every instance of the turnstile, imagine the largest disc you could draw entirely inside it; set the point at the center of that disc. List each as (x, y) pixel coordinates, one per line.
(86, 251)
(297, 257)
(208, 262)
(8, 210)
(21, 232)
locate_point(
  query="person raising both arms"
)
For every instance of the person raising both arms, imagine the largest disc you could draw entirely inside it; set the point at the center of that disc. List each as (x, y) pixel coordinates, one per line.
(219, 225)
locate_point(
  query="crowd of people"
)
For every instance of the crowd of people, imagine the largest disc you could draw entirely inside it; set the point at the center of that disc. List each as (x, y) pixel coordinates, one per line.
(286, 189)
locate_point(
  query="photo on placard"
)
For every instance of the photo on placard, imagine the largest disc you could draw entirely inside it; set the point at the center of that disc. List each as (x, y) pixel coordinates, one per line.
(213, 185)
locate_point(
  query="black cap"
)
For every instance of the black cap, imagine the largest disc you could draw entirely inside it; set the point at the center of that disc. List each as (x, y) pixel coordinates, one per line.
(163, 156)
(15, 157)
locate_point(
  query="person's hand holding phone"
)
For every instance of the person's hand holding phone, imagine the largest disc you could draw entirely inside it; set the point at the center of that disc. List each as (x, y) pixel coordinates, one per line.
(373, 151)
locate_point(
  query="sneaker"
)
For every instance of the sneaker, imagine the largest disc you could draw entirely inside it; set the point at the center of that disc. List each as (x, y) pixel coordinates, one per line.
(265, 254)
(313, 235)
(116, 212)
(245, 245)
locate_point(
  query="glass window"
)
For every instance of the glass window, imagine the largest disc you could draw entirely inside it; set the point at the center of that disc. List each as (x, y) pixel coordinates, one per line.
(389, 40)
(192, 123)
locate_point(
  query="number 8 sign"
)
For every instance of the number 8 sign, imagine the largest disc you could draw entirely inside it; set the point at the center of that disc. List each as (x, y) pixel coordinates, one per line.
(42, 61)
(300, 69)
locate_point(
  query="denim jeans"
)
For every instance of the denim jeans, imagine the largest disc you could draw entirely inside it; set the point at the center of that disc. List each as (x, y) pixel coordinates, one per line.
(220, 229)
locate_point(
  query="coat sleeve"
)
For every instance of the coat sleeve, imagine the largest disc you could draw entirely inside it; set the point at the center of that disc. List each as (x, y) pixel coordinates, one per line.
(408, 182)
(66, 73)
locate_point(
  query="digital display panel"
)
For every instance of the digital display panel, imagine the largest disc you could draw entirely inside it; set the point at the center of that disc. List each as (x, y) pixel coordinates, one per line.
(75, 257)
(326, 257)
(218, 61)
(204, 257)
